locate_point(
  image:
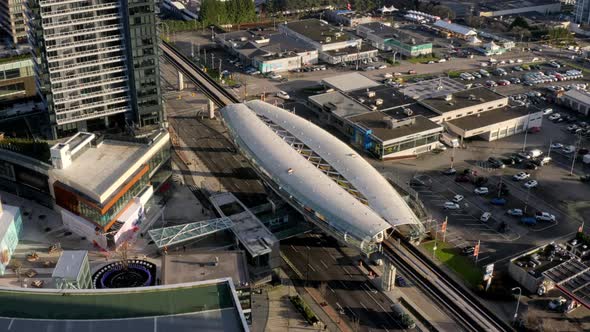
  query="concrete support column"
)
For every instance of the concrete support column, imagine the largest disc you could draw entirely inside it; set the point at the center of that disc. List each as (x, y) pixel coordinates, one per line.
(211, 108)
(388, 277)
(180, 81)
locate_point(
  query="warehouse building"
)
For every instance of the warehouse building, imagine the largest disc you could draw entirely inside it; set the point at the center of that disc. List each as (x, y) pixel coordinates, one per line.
(324, 38)
(577, 100)
(268, 52)
(514, 7)
(386, 38)
(347, 18)
(454, 30)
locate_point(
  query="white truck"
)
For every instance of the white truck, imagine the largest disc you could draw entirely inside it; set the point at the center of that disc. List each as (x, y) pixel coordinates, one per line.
(586, 159)
(449, 140)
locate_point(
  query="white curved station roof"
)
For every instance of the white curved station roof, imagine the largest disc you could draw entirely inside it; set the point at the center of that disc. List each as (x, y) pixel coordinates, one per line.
(312, 184)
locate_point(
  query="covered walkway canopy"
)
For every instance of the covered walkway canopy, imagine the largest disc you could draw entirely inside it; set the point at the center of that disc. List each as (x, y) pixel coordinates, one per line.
(169, 236)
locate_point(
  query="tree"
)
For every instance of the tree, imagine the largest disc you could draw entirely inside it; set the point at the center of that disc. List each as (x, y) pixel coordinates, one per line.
(519, 21)
(473, 21)
(443, 12)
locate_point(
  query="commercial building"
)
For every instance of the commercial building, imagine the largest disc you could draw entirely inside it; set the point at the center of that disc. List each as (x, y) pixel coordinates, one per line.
(333, 44)
(102, 186)
(318, 175)
(582, 13)
(13, 20)
(268, 52)
(386, 38)
(454, 30)
(211, 305)
(201, 266)
(496, 124)
(347, 18)
(481, 112)
(577, 100)
(98, 63)
(380, 120)
(11, 225)
(72, 270)
(349, 82)
(25, 176)
(561, 266)
(463, 103)
(17, 79)
(178, 10)
(514, 7)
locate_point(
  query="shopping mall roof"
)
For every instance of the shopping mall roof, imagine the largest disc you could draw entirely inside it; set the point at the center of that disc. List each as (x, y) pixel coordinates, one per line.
(349, 82)
(489, 118)
(381, 97)
(99, 170)
(379, 29)
(339, 104)
(180, 267)
(318, 169)
(386, 128)
(414, 109)
(461, 99)
(212, 305)
(352, 50)
(432, 88)
(319, 31)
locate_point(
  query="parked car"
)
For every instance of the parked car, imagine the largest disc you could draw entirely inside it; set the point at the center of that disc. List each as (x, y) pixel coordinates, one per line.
(481, 190)
(450, 171)
(556, 146)
(531, 184)
(451, 206)
(458, 198)
(283, 95)
(468, 250)
(521, 176)
(400, 314)
(485, 216)
(515, 212)
(569, 149)
(495, 163)
(498, 201)
(274, 76)
(545, 216)
(557, 303)
(554, 116)
(528, 221)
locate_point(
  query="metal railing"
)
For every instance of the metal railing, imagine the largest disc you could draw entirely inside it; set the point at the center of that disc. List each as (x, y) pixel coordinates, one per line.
(87, 31)
(84, 43)
(90, 85)
(66, 21)
(79, 10)
(67, 55)
(92, 115)
(92, 105)
(118, 58)
(89, 74)
(91, 95)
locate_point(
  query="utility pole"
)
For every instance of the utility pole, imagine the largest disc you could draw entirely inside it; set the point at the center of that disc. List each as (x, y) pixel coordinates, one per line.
(453, 157)
(205, 56)
(192, 50)
(526, 130)
(212, 61)
(576, 154)
(219, 68)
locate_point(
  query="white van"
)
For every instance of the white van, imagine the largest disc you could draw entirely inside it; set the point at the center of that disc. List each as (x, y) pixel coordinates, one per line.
(449, 140)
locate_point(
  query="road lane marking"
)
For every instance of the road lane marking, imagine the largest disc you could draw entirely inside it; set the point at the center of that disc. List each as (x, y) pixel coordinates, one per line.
(311, 267)
(364, 306)
(324, 264)
(295, 250)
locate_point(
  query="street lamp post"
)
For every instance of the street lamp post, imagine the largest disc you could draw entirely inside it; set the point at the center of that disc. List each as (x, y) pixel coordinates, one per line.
(517, 303)
(577, 147)
(526, 201)
(394, 54)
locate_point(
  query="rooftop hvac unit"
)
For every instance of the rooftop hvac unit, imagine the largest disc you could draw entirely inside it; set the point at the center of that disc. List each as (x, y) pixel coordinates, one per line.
(370, 94)
(472, 97)
(408, 112)
(389, 122)
(337, 34)
(373, 107)
(379, 101)
(328, 39)
(243, 39)
(448, 97)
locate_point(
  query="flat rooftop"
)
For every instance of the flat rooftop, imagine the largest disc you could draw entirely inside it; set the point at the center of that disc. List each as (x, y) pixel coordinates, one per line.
(249, 230)
(201, 266)
(488, 118)
(389, 97)
(461, 99)
(98, 171)
(512, 4)
(432, 88)
(579, 95)
(69, 264)
(351, 50)
(380, 124)
(399, 113)
(387, 32)
(349, 82)
(319, 31)
(339, 104)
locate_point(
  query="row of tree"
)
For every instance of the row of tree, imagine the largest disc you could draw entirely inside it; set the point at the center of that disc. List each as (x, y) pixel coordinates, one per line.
(227, 12)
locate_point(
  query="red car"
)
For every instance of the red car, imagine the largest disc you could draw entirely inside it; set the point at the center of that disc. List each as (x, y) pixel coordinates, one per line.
(534, 130)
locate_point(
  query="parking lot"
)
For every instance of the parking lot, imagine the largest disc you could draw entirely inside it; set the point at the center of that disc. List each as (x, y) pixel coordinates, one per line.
(557, 193)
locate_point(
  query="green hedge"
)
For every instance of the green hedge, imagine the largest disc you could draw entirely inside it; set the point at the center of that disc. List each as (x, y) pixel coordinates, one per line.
(302, 307)
(34, 149)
